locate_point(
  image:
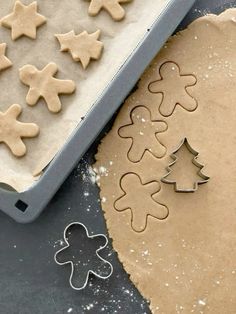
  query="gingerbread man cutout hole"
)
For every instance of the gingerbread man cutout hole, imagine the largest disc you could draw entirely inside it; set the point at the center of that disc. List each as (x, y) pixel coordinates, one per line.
(143, 133)
(173, 86)
(139, 199)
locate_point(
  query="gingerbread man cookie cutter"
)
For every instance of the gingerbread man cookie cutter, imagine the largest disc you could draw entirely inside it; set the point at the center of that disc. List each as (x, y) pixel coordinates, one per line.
(203, 178)
(70, 262)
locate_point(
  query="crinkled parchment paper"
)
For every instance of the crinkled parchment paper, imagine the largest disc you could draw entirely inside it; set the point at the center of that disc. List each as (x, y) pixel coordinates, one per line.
(119, 38)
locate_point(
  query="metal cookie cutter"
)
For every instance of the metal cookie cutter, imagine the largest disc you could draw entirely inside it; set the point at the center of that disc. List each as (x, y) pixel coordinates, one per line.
(204, 178)
(78, 263)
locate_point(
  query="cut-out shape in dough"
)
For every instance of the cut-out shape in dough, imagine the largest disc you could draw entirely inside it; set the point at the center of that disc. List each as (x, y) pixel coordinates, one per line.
(82, 47)
(143, 132)
(82, 254)
(185, 171)
(138, 198)
(173, 87)
(43, 84)
(113, 7)
(4, 61)
(24, 20)
(11, 130)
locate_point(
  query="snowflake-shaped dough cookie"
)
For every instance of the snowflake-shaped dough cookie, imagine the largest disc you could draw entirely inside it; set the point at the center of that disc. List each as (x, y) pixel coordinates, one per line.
(143, 132)
(44, 84)
(138, 198)
(83, 47)
(173, 87)
(4, 61)
(23, 21)
(113, 7)
(11, 130)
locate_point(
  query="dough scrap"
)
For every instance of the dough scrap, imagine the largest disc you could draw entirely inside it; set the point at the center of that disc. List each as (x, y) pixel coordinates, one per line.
(141, 126)
(43, 84)
(170, 74)
(185, 263)
(4, 61)
(24, 20)
(11, 130)
(113, 7)
(83, 47)
(138, 198)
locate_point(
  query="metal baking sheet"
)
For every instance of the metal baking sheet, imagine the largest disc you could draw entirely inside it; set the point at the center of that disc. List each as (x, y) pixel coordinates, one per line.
(31, 282)
(25, 207)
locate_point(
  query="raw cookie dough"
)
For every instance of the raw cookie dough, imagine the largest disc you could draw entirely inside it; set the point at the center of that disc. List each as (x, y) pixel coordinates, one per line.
(141, 127)
(120, 40)
(11, 130)
(82, 47)
(43, 84)
(4, 61)
(185, 263)
(113, 7)
(24, 20)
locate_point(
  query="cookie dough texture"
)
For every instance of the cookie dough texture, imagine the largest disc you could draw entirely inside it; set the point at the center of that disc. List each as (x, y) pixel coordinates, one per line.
(119, 40)
(42, 83)
(82, 47)
(113, 7)
(12, 131)
(185, 263)
(24, 20)
(4, 61)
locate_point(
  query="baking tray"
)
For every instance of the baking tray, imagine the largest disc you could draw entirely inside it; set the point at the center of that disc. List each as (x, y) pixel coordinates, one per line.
(26, 206)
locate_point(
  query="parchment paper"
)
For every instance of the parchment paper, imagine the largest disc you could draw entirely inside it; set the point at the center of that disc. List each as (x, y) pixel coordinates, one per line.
(119, 38)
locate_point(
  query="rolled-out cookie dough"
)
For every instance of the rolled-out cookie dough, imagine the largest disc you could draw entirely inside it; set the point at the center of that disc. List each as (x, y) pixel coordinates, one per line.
(185, 263)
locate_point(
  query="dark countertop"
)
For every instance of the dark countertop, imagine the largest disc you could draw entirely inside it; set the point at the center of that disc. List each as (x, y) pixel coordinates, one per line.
(31, 282)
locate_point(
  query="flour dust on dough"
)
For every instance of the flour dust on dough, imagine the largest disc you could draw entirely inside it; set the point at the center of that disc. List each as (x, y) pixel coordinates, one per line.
(185, 263)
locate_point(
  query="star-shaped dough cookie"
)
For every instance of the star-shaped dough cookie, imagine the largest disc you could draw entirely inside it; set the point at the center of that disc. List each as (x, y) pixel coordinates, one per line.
(113, 7)
(23, 21)
(43, 84)
(4, 61)
(11, 130)
(82, 47)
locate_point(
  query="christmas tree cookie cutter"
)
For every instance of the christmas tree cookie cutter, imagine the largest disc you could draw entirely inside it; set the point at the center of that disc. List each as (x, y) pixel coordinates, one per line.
(90, 271)
(203, 178)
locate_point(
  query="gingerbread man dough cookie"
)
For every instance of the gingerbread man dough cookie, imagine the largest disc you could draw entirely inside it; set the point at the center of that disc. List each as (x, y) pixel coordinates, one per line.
(171, 76)
(24, 20)
(11, 130)
(4, 61)
(143, 132)
(140, 201)
(113, 7)
(44, 84)
(82, 47)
